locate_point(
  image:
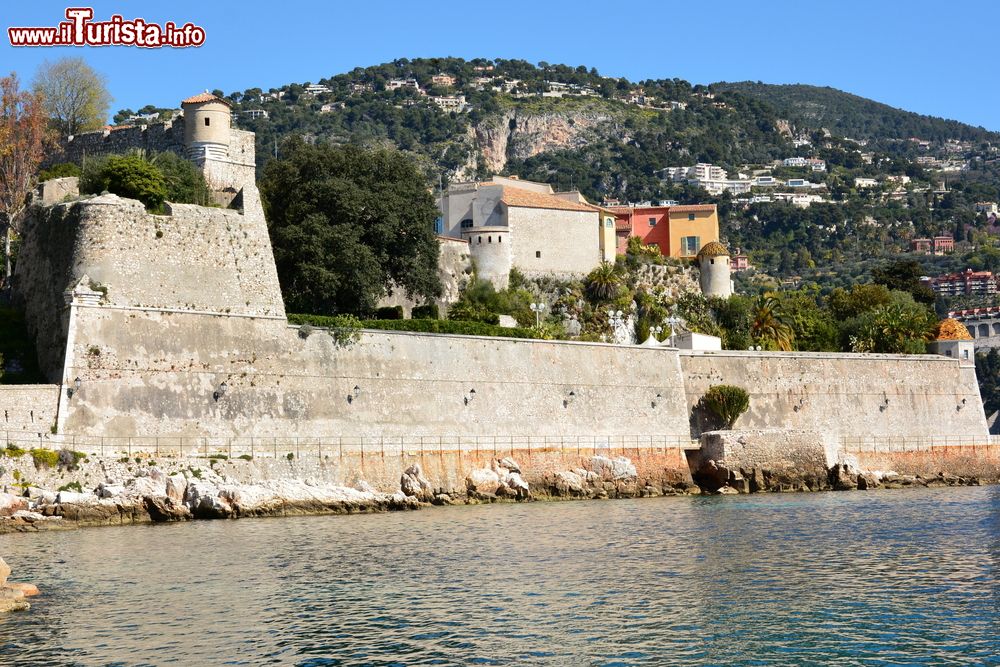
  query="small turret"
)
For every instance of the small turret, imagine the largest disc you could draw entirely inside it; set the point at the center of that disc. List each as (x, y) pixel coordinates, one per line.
(207, 121)
(952, 339)
(713, 262)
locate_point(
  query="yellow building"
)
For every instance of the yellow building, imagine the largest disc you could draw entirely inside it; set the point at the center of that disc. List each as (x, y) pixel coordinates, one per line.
(691, 228)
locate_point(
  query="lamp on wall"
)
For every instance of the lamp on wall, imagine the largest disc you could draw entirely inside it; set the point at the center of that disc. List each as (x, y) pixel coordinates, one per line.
(470, 396)
(355, 393)
(75, 388)
(220, 392)
(656, 400)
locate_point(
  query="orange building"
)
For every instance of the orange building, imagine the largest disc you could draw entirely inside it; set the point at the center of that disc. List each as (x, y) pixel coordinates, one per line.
(679, 231)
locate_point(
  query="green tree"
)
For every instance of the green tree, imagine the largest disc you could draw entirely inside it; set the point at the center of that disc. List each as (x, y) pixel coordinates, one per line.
(726, 402)
(130, 176)
(184, 183)
(603, 283)
(76, 96)
(346, 224)
(904, 275)
(768, 325)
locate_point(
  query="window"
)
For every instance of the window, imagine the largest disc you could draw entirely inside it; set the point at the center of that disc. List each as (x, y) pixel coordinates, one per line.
(467, 223)
(652, 222)
(609, 222)
(499, 239)
(965, 354)
(208, 121)
(480, 239)
(690, 245)
(690, 216)
(538, 254)
(489, 239)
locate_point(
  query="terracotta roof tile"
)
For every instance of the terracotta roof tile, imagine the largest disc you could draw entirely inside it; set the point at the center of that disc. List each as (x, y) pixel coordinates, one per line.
(951, 329)
(691, 208)
(528, 199)
(205, 97)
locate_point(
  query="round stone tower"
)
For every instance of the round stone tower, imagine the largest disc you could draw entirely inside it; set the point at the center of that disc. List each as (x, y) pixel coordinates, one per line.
(207, 120)
(713, 262)
(490, 248)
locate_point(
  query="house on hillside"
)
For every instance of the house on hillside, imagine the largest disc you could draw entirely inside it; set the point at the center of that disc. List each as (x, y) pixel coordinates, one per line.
(679, 231)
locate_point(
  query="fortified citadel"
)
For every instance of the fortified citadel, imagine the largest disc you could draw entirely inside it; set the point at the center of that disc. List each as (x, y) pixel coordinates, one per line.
(169, 331)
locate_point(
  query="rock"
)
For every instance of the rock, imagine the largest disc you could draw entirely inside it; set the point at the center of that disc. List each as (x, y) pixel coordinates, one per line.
(518, 485)
(613, 469)
(106, 490)
(867, 481)
(4, 571)
(481, 482)
(176, 487)
(29, 590)
(711, 476)
(202, 499)
(757, 480)
(28, 516)
(443, 499)
(73, 498)
(12, 600)
(146, 486)
(363, 486)
(843, 477)
(414, 485)
(738, 482)
(9, 503)
(509, 464)
(164, 508)
(568, 483)
(727, 491)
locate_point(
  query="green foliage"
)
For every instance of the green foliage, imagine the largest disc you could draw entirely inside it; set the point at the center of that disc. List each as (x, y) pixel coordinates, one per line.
(901, 327)
(71, 486)
(59, 170)
(604, 283)
(988, 372)
(389, 313)
(45, 458)
(345, 223)
(427, 311)
(425, 326)
(130, 176)
(845, 304)
(344, 329)
(768, 325)
(184, 182)
(904, 276)
(726, 402)
(12, 451)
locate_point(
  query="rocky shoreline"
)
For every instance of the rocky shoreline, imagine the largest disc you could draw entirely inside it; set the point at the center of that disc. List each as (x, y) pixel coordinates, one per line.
(78, 492)
(12, 595)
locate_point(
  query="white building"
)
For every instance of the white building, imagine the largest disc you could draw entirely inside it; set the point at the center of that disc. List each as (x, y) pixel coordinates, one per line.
(396, 84)
(450, 102)
(865, 183)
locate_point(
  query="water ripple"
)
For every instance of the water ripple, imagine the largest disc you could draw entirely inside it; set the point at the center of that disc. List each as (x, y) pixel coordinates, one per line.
(879, 578)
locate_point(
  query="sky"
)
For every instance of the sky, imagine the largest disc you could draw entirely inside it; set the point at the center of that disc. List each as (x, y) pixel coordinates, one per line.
(929, 57)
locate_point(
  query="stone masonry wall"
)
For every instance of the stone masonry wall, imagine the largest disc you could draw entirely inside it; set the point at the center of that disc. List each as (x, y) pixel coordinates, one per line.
(155, 373)
(155, 138)
(845, 394)
(27, 409)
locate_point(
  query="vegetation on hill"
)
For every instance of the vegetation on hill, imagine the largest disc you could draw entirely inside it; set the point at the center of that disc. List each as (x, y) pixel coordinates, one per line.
(154, 180)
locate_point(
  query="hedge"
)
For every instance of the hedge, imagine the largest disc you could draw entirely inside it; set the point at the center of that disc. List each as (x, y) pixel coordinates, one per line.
(423, 326)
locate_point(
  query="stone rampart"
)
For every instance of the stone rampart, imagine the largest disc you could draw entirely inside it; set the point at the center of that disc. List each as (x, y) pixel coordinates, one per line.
(155, 138)
(26, 411)
(882, 396)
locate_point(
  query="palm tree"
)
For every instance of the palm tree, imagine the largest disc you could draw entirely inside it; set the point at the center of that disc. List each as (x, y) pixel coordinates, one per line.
(602, 283)
(768, 323)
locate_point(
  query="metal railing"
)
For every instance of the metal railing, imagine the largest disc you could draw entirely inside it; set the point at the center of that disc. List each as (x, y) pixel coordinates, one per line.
(327, 447)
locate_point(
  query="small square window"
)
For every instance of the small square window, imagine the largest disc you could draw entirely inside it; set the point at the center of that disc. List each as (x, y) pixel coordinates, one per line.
(538, 254)
(690, 216)
(652, 222)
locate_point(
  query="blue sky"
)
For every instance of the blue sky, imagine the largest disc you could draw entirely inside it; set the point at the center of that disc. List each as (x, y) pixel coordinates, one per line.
(929, 57)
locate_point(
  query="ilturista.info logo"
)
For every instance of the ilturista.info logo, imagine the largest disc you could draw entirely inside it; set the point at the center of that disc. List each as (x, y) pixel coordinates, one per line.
(79, 29)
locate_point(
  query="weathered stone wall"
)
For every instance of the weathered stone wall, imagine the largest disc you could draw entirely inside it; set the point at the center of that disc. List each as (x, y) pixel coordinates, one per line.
(888, 396)
(155, 373)
(454, 270)
(156, 138)
(27, 410)
(567, 241)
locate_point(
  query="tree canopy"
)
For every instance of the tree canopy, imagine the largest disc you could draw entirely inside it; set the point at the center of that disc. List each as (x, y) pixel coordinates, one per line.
(348, 224)
(76, 96)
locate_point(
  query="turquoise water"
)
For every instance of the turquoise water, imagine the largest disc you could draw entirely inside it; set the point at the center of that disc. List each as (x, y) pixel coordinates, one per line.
(879, 578)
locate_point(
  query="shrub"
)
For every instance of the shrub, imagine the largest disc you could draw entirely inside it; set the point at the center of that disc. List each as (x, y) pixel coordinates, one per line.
(13, 451)
(60, 170)
(184, 183)
(468, 312)
(726, 402)
(603, 283)
(69, 459)
(245, 457)
(45, 458)
(290, 456)
(72, 486)
(389, 313)
(428, 311)
(129, 176)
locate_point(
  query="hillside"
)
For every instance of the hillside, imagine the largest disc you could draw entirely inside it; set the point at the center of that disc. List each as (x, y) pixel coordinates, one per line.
(612, 139)
(847, 115)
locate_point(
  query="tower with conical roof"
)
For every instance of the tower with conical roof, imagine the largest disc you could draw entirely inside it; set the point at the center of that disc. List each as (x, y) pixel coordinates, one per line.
(713, 262)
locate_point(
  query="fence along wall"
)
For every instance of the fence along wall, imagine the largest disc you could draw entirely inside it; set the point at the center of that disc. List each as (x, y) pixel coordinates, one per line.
(861, 398)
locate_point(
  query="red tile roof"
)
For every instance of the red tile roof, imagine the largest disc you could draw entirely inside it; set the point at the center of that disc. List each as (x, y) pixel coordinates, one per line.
(528, 199)
(201, 98)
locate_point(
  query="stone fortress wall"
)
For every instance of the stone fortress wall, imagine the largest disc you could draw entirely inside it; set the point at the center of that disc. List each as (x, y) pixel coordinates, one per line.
(174, 327)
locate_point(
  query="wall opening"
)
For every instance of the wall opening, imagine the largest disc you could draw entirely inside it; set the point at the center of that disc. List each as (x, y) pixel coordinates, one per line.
(208, 121)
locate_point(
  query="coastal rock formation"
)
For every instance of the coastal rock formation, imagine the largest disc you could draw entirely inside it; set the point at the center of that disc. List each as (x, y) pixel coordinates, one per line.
(12, 595)
(501, 480)
(414, 485)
